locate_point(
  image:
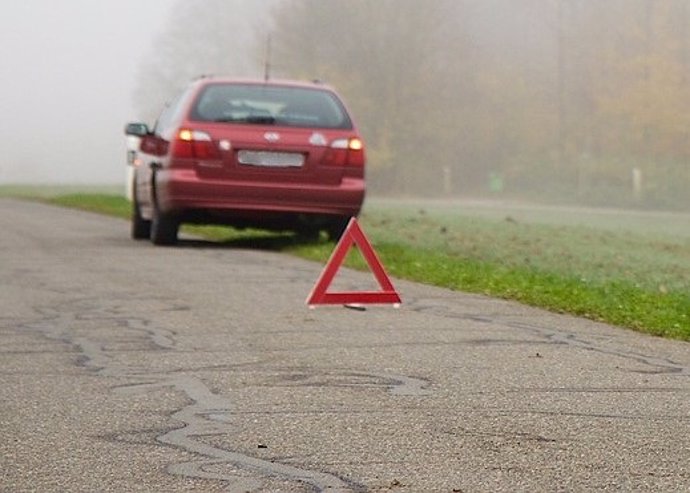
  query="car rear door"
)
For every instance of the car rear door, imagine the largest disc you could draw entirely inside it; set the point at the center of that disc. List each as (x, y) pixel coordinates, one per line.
(277, 154)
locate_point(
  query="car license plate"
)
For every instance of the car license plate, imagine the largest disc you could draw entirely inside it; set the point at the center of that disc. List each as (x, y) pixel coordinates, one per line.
(274, 159)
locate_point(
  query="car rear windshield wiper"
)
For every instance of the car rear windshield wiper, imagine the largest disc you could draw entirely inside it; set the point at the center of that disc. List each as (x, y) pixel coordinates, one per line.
(255, 119)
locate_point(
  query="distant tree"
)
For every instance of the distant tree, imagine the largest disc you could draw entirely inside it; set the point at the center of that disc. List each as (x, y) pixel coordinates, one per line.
(392, 59)
(633, 106)
(648, 92)
(576, 94)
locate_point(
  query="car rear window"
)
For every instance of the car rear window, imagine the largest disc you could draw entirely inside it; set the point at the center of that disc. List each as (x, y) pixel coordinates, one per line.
(270, 105)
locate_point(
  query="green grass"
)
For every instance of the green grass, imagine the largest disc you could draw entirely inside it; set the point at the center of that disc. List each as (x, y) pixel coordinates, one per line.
(605, 269)
(112, 205)
(38, 192)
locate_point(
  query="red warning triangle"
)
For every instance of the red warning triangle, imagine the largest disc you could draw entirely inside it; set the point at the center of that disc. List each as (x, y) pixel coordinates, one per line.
(353, 235)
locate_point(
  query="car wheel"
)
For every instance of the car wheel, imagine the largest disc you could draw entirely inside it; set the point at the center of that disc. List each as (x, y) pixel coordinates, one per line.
(336, 228)
(141, 228)
(308, 234)
(164, 228)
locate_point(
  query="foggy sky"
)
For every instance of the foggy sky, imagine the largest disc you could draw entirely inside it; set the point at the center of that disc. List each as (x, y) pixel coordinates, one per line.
(68, 70)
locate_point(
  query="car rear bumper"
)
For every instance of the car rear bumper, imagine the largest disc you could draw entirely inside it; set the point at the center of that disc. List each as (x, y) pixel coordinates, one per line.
(179, 191)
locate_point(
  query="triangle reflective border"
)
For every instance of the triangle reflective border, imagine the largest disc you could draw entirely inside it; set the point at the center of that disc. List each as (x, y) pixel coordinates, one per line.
(353, 235)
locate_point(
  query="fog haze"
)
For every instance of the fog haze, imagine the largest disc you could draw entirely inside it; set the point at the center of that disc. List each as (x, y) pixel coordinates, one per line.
(68, 70)
(571, 101)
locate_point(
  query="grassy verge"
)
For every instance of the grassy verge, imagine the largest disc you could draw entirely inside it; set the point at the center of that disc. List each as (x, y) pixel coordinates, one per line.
(639, 280)
(111, 205)
(581, 285)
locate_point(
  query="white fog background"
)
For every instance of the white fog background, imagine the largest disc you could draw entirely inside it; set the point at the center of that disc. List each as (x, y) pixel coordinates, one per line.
(68, 72)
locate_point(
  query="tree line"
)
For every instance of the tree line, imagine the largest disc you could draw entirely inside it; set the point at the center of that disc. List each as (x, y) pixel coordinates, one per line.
(550, 99)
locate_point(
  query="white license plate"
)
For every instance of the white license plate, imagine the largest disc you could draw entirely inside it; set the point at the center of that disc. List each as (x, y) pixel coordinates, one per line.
(267, 158)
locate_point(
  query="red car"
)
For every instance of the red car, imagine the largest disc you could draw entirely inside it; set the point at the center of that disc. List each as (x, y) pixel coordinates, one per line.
(278, 155)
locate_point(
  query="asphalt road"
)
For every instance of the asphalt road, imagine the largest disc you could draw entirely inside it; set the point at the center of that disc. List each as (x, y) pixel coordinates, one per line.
(129, 367)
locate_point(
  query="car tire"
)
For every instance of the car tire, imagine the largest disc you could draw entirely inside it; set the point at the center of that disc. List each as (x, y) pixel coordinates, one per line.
(336, 228)
(308, 234)
(141, 228)
(164, 228)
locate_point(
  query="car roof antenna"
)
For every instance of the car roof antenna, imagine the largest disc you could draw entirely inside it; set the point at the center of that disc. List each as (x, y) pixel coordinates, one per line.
(267, 62)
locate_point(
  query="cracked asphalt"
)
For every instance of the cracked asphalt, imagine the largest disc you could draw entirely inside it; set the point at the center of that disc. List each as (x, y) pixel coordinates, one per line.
(128, 367)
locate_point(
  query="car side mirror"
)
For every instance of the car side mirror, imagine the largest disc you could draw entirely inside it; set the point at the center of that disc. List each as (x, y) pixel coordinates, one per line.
(137, 129)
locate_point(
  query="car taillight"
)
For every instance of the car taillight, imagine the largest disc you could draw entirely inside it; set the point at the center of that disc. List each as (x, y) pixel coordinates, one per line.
(345, 152)
(194, 144)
